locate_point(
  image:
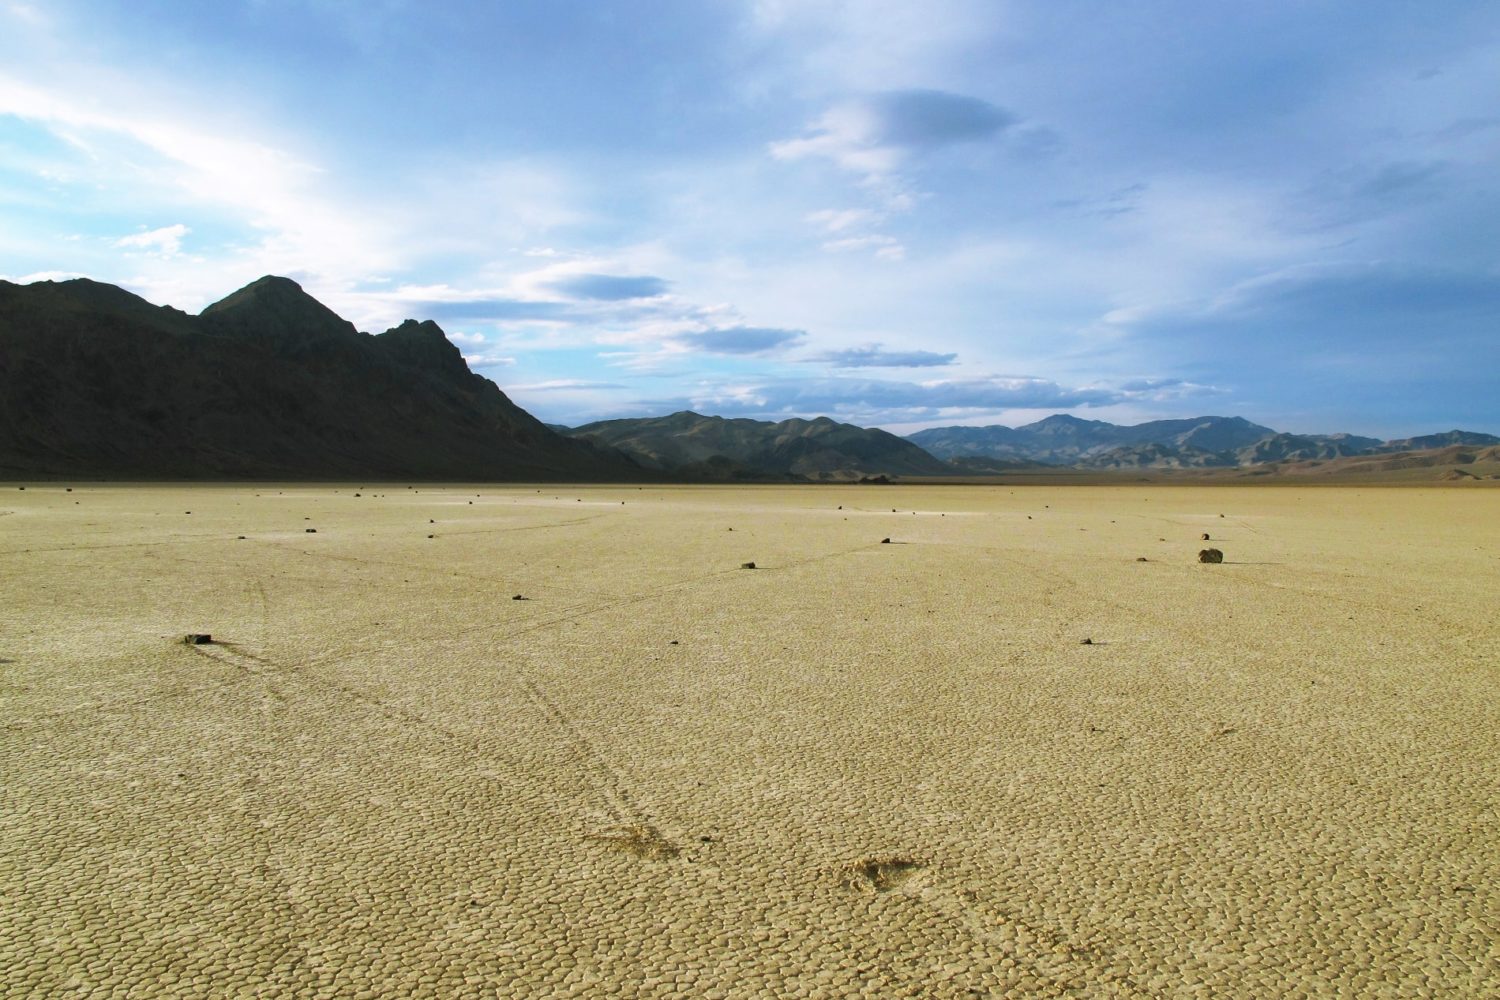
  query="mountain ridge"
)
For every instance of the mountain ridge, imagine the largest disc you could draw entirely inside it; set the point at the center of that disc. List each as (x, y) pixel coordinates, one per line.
(268, 382)
(1193, 442)
(740, 448)
(265, 383)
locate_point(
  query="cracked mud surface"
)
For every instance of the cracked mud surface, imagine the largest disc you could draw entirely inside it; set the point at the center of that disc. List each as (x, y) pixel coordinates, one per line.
(862, 770)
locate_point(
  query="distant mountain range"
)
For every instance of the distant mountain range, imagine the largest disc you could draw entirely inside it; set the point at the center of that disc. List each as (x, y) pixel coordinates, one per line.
(1196, 442)
(268, 383)
(716, 448)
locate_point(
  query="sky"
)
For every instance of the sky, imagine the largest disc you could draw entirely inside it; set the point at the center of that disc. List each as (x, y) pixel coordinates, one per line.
(897, 214)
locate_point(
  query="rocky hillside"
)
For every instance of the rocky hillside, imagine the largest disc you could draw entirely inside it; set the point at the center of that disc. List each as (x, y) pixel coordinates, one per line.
(691, 444)
(268, 383)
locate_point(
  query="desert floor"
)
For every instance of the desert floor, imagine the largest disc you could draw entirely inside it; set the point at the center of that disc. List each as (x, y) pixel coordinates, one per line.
(859, 769)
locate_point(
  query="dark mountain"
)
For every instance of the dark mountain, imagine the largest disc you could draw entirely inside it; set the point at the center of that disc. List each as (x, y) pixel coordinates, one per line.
(267, 383)
(1065, 440)
(724, 449)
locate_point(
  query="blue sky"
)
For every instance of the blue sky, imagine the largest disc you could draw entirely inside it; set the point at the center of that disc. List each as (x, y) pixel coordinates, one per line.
(897, 214)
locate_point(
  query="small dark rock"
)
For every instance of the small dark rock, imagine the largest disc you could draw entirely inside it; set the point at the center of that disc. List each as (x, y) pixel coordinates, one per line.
(432, 536)
(747, 565)
(1210, 556)
(240, 537)
(198, 639)
(520, 597)
(1087, 642)
(1141, 559)
(1205, 536)
(885, 541)
(311, 531)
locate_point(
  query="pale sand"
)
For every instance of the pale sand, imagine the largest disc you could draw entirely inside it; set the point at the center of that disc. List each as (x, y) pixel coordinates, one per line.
(864, 769)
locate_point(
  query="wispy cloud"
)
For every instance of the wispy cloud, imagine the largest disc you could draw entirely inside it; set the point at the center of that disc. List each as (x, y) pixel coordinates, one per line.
(610, 287)
(874, 356)
(838, 220)
(880, 401)
(874, 135)
(564, 385)
(740, 339)
(163, 242)
(481, 361)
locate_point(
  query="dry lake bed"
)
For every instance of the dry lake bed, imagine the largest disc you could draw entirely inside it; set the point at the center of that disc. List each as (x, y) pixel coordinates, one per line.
(859, 769)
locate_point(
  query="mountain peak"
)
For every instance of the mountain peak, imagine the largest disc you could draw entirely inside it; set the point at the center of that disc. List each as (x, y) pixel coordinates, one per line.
(423, 345)
(276, 310)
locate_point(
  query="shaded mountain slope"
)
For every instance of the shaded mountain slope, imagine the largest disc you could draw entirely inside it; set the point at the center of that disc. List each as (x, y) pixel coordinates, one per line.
(266, 383)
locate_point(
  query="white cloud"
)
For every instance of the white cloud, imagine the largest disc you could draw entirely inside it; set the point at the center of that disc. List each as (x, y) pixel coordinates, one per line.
(488, 360)
(832, 220)
(874, 135)
(27, 279)
(302, 228)
(884, 247)
(26, 13)
(164, 242)
(863, 44)
(563, 385)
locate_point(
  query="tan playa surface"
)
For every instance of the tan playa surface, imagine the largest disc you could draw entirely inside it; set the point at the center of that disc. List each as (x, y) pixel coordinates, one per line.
(858, 770)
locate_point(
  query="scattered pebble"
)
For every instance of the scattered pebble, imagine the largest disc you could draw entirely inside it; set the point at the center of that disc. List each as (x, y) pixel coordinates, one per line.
(1210, 556)
(1087, 642)
(747, 565)
(520, 597)
(885, 541)
(198, 639)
